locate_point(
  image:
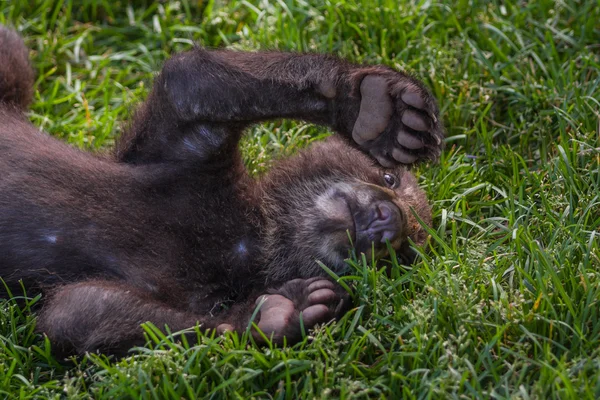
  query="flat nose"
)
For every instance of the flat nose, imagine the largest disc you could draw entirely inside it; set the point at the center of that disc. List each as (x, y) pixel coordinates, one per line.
(386, 222)
(384, 212)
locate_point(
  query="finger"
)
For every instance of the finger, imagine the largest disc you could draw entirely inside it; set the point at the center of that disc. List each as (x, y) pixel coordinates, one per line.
(403, 156)
(321, 296)
(415, 120)
(315, 314)
(321, 284)
(224, 328)
(409, 140)
(413, 99)
(382, 159)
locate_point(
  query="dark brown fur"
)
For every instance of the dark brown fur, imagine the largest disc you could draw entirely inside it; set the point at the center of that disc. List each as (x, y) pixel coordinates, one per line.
(174, 231)
(16, 75)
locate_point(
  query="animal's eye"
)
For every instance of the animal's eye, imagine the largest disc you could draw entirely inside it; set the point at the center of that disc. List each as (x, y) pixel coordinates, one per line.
(391, 180)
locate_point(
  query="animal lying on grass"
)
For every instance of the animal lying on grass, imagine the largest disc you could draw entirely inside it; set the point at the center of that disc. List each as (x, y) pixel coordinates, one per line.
(174, 231)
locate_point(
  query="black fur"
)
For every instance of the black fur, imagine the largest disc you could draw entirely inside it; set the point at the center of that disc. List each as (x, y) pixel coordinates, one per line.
(172, 230)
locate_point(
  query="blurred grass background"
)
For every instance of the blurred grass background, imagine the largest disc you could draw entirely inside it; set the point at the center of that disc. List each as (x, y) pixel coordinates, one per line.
(504, 302)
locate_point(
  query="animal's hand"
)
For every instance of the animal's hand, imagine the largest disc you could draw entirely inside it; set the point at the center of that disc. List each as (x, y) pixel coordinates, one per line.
(397, 121)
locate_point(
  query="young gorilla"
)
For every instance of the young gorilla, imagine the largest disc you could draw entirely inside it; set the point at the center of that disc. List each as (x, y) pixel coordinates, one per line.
(174, 231)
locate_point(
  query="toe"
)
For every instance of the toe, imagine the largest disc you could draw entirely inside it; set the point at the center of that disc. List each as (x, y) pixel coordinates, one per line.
(224, 328)
(413, 99)
(275, 313)
(274, 301)
(382, 159)
(320, 284)
(261, 300)
(321, 296)
(315, 314)
(415, 120)
(403, 156)
(409, 140)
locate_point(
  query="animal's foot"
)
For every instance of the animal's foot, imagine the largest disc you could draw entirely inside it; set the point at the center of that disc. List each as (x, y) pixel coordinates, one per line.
(398, 121)
(300, 303)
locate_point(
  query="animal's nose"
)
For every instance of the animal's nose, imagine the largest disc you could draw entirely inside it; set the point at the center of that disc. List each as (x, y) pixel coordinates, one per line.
(386, 223)
(384, 212)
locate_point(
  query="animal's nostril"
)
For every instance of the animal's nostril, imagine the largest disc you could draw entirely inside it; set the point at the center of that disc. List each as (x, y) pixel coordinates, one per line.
(384, 212)
(385, 221)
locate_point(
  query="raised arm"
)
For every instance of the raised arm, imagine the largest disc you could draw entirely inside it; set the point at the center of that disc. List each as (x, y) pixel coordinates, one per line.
(202, 100)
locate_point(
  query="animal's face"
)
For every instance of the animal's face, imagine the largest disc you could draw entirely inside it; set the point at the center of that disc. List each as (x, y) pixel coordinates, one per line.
(365, 214)
(340, 199)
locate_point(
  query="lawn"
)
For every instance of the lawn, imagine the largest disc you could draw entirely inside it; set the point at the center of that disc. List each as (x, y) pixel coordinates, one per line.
(504, 301)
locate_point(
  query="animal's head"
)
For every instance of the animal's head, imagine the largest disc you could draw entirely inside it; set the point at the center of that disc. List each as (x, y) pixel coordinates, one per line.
(331, 197)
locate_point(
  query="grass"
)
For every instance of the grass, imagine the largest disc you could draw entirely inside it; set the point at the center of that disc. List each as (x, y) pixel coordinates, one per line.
(504, 302)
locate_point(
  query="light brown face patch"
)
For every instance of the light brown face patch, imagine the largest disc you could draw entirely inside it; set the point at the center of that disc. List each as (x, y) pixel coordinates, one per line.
(341, 208)
(319, 225)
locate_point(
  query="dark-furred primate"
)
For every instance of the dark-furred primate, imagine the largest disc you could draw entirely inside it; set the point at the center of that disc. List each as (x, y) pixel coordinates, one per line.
(173, 230)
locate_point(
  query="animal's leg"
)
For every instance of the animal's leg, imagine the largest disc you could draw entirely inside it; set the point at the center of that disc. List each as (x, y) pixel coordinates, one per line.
(106, 317)
(203, 99)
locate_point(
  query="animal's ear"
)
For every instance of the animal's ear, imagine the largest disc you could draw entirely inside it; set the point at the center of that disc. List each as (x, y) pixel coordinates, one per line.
(16, 74)
(420, 237)
(419, 234)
